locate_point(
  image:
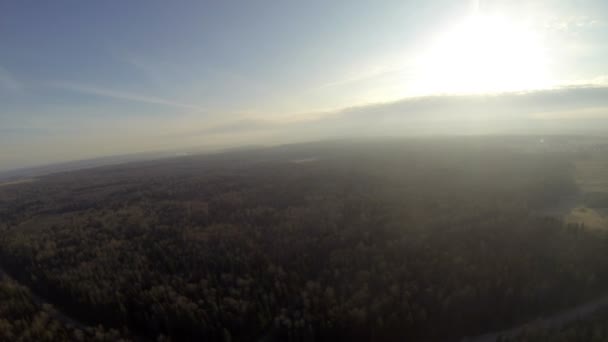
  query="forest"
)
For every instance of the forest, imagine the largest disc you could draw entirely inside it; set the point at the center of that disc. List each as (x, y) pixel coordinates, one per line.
(23, 318)
(427, 239)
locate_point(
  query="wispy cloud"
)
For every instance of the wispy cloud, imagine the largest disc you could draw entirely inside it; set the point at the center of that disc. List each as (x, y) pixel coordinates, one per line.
(597, 81)
(572, 24)
(7, 81)
(152, 70)
(364, 76)
(122, 95)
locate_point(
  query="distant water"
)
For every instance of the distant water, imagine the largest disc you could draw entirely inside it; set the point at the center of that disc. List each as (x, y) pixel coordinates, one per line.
(305, 160)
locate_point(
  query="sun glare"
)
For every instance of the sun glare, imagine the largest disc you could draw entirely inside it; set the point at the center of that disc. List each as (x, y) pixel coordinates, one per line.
(484, 54)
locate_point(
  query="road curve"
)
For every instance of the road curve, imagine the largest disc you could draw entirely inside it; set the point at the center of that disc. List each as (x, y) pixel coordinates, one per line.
(551, 322)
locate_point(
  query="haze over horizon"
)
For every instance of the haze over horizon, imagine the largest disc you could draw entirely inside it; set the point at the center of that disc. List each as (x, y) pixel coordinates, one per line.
(82, 80)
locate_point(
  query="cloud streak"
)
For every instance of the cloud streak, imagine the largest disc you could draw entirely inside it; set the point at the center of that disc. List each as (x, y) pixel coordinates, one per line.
(573, 24)
(364, 76)
(121, 95)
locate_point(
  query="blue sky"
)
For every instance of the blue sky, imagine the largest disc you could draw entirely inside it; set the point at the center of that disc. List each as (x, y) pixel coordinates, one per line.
(82, 79)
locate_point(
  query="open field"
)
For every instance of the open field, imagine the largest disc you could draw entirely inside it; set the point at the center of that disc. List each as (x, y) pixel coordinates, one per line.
(591, 176)
(591, 218)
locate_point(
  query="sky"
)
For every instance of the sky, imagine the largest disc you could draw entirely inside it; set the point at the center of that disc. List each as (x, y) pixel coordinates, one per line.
(81, 79)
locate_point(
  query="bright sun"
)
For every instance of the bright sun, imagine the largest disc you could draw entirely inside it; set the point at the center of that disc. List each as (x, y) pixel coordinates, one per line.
(484, 54)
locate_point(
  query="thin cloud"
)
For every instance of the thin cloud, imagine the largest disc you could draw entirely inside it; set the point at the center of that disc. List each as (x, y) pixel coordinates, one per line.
(7, 81)
(152, 71)
(597, 81)
(364, 76)
(242, 125)
(572, 24)
(116, 94)
(234, 126)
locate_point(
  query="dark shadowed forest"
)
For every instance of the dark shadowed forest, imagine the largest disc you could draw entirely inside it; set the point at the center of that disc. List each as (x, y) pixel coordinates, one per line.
(24, 318)
(431, 239)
